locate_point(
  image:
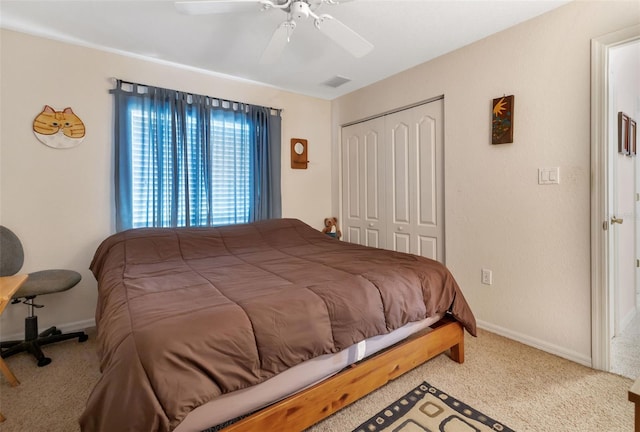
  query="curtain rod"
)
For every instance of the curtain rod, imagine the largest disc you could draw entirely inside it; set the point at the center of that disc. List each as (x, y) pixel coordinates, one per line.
(115, 80)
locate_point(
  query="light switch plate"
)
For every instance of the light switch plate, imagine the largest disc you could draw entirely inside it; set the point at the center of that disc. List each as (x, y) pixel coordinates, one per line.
(548, 176)
(487, 277)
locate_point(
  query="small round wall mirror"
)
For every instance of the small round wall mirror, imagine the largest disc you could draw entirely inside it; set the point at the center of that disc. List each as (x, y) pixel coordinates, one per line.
(298, 148)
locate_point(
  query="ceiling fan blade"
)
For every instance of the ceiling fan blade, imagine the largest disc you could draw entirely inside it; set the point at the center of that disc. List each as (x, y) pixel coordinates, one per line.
(278, 42)
(343, 36)
(202, 7)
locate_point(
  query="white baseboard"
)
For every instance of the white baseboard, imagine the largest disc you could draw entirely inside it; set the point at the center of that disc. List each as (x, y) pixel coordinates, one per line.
(65, 328)
(537, 343)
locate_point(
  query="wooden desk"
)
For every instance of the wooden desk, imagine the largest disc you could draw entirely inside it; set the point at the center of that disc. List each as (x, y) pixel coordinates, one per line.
(8, 287)
(634, 396)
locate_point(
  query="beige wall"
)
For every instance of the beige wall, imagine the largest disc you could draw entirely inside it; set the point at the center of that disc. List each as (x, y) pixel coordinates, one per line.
(534, 238)
(59, 202)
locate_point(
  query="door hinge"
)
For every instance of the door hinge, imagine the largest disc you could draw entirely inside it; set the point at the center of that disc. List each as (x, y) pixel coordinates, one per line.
(605, 225)
(638, 263)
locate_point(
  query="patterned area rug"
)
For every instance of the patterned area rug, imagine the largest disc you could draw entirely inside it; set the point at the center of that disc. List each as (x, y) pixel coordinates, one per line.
(427, 409)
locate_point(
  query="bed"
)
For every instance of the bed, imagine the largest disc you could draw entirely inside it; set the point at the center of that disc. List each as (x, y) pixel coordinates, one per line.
(198, 326)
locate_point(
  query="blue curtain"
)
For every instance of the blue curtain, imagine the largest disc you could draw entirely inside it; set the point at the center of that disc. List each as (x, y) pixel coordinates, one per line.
(266, 201)
(192, 160)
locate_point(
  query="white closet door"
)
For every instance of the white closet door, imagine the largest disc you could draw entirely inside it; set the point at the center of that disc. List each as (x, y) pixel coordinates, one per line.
(363, 183)
(392, 174)
(415, 186)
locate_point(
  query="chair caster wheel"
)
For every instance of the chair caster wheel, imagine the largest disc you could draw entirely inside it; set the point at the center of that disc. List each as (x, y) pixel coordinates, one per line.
(56, 332)
(44, 361)
(83, 338)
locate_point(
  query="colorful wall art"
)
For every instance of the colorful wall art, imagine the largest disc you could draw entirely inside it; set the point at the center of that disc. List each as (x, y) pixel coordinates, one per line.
(58, 129)
(502, 120)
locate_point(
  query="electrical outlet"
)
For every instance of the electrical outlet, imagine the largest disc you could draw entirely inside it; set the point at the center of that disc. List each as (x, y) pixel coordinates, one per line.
(487, 276)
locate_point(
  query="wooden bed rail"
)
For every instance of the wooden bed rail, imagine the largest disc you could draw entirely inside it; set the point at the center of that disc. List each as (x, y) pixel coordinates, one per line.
(309, 406)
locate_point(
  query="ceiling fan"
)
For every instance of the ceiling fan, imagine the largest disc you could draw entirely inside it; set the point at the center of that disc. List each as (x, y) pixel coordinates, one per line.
(299, 10)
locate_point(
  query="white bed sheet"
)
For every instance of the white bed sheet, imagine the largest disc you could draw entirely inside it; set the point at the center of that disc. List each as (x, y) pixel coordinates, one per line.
(299, 377)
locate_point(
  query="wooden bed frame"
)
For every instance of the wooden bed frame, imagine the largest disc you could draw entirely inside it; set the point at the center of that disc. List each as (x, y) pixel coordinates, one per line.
(309, 406)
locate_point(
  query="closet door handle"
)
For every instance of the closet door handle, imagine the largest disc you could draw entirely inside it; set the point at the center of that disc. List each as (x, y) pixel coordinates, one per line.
(615, 220)
(399, 228)
(370, 224)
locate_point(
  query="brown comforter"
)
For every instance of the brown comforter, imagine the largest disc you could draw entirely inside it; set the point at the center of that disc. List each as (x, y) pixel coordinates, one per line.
(187, 314)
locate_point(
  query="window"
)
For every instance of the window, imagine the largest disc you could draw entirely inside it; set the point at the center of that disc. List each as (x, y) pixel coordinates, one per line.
(188, 160)
(229, 182)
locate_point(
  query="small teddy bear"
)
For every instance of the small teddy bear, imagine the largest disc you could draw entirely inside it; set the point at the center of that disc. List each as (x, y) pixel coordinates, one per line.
(331, 227)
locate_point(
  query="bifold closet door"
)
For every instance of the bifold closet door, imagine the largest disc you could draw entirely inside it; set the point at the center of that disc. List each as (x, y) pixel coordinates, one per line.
(392, 181)
(363, 183)
(415, 210)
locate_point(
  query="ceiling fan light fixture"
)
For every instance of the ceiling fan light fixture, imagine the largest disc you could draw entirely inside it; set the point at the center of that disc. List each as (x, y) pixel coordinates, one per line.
(300, 10)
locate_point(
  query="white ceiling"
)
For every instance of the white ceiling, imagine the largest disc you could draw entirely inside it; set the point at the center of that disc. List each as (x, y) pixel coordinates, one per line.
(404, 33)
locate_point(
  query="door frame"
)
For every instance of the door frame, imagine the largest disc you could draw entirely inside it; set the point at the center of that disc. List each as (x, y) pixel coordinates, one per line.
(601, 260)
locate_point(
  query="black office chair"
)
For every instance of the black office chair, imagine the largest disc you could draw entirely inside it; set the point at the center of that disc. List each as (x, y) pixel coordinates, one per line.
(38, 283)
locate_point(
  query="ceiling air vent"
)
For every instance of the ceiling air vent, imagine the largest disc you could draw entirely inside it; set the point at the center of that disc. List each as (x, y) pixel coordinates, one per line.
(336, 81)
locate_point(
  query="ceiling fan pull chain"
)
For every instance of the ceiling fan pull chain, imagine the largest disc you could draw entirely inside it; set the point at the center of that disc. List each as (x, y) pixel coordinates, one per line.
(291, 26)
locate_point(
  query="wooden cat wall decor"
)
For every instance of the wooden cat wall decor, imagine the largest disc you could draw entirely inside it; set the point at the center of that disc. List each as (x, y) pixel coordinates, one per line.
(58, 129)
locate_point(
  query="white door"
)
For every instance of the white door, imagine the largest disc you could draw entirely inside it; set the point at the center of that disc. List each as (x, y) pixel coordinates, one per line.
(415, 181)
(392, 181)
(624, 65)
(363, 183)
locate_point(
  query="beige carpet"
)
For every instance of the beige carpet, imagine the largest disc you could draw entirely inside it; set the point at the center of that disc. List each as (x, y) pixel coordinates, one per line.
(527, 389)
(625, 351)
(50, 398)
